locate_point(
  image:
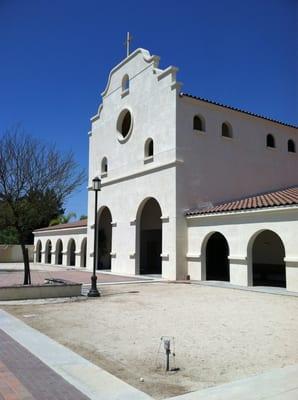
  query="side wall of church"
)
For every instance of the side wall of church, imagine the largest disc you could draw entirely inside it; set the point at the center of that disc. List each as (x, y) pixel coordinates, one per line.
(217, 168)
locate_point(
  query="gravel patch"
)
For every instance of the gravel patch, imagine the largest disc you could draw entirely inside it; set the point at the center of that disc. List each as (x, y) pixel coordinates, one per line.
(220, 334)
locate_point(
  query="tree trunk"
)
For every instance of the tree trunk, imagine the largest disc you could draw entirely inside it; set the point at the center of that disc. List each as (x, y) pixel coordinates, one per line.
(27, 275)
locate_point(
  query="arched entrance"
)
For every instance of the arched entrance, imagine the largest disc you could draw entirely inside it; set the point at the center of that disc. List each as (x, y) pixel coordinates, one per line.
(59, 249)
(38, 251)
(217, 262)
(71, 250)
(48, 252)
(104, 239)
(268, 266)
(150, 238)
(83, 252)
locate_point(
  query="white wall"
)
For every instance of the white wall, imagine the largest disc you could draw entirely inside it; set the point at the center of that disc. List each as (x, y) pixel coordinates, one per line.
(131, 179)
(188, 168)
(240, 230)
(65, 235)
(217, 169)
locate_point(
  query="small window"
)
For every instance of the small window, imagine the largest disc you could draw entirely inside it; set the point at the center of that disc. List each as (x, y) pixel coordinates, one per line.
(291, 146)
(104, 166)
(198, 123)
(125, 83)
(270, 141)
(149, 148)
(226, 130)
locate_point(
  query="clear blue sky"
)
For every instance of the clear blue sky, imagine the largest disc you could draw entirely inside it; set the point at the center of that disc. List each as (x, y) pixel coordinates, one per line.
(55, 57)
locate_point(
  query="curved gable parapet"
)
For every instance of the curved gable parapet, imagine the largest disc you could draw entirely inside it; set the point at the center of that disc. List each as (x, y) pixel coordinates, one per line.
(97, 115)
(145, 57)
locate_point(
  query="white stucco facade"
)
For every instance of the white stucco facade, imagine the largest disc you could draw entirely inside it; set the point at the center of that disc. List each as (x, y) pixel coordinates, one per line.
(240, 229)
(66, 246)
(143, 146)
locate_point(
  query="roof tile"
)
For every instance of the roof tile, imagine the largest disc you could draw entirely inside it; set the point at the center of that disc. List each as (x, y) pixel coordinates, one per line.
(273, 199)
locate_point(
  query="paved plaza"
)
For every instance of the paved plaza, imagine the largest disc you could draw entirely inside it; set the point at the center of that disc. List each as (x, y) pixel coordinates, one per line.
(12, 274)
(230, 344)
(24, 376)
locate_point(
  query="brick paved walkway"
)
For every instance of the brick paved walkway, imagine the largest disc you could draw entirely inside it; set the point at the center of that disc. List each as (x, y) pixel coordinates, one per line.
(38, 277)
(25, 377)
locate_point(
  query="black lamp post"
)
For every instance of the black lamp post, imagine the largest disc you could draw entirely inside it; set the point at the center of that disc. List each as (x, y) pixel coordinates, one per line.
(93, 292)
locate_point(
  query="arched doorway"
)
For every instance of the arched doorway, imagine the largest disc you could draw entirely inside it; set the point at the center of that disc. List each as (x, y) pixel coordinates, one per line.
(48, 252)
(38, 251)
(268, 266)
(150, 238)
(217, 262)
(104, 239)
(83, 252)
(59, 249)
(71, 250)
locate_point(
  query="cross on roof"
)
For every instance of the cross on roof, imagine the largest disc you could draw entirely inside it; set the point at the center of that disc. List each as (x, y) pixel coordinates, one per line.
(127, 43)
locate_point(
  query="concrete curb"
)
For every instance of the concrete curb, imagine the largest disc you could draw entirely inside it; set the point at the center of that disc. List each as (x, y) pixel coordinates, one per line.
(90, 379)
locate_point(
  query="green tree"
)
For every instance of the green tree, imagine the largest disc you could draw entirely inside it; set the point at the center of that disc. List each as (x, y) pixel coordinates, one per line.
(35, 180)
(63, 219)
(8, 236)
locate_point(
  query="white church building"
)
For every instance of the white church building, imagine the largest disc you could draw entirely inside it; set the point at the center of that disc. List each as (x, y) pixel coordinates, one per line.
(190, 189)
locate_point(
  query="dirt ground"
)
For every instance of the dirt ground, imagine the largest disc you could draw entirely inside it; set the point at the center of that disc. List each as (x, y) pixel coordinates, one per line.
(220, 334)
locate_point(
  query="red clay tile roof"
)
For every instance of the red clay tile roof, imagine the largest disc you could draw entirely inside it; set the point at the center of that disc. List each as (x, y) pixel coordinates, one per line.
(286, 197)
(76, 224)
(237, 109)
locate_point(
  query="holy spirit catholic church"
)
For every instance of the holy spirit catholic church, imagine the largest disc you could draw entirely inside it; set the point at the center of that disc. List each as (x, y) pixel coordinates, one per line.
(190, 189)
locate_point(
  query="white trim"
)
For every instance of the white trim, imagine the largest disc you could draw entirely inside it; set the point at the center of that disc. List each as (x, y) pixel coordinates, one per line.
(148, 159)
(165, 218)
(60, 229)
(291, 259)
(125, 93)
(194, 256)
(170, 70)
(164, 256)
(199, 132)
(142, 172)
(146, 56)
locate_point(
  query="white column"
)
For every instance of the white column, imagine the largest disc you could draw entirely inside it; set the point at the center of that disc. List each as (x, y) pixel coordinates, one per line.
(53, 257)
(292, 274)
(239, 274)
(43, 257)
(64, 258)
(77, 259)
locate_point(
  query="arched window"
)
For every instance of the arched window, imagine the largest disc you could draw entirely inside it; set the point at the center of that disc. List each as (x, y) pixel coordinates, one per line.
(226, 130)
(48, 252)
(38, 251)
(270, 141)
(125, 83)
(59, 250)
(198, 123)
(71, 253)
(104, 165)
(149, 148)
(291, 146)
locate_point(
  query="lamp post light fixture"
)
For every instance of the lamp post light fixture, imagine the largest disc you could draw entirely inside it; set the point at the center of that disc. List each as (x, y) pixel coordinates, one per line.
(93, 292)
